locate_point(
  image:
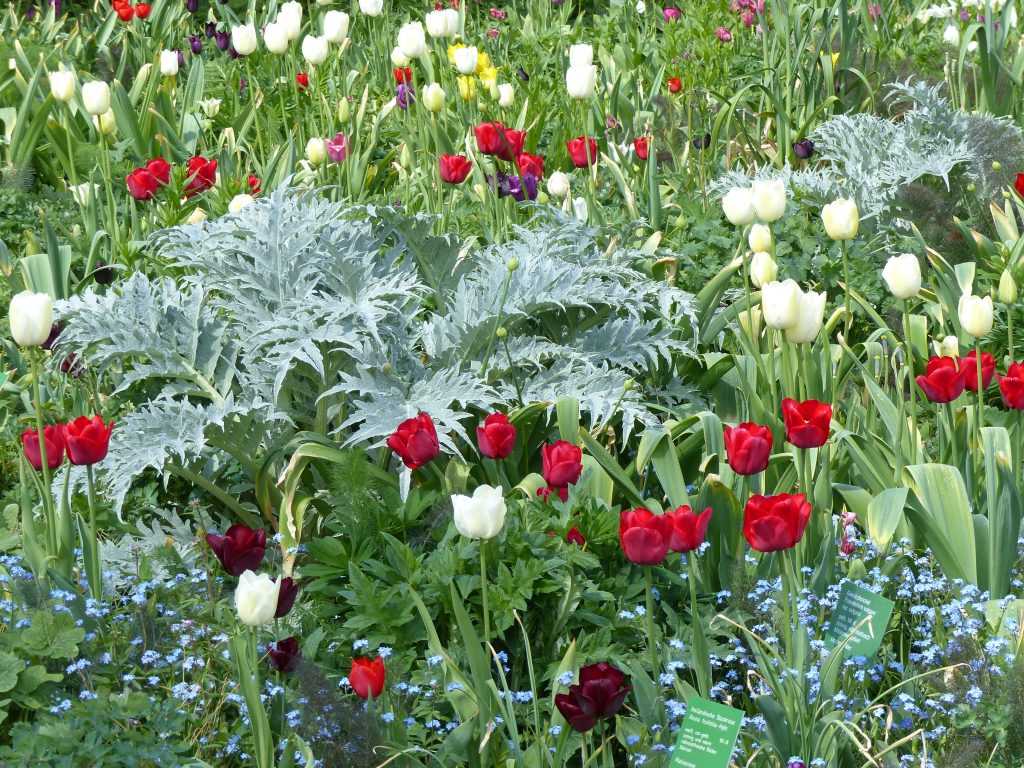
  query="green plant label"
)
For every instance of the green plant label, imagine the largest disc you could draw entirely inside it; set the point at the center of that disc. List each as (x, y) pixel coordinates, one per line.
(862, 616)
(707, 736)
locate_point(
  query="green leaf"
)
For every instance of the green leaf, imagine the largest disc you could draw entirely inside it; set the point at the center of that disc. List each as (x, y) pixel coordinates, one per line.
(943, 513)
(52, 635)
(884, 514)
(10, 667)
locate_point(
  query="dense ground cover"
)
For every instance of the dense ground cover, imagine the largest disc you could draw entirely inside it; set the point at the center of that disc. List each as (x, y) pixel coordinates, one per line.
(397, 384)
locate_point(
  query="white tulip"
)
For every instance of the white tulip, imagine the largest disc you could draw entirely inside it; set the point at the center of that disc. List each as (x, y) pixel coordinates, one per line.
(62, 85)
(760, 238)
(581, 81)
(168, 63)
(198, 216)
(443, 23)
(738, 206)
(238, 202)
(290, 17)
(344, 110)
(105, 123)
(768, 196)
(975, 314)
(641, 6)
(84, 193)
(316, 150)
(398, 58)
(412, 39)
(482, 515)
(780, 303)
(314, 49)
(902, 275)
(371, 7)
(31, 318)
(558, 184)
(466, 59)
(580, 208)
(433, 97)
(763, 269)
(335, 26)
(841, 219)
(506, 95)
(210, 107)
(951, 35)
(96, 97)
(275, 37)
(581, 55)
(243, 39)
(1007, 287)
(947, 347)
(810, 317)
(256, 598)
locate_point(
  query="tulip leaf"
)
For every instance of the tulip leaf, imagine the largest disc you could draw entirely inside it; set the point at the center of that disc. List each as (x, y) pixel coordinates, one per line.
(611, 466)
(883, 515)
(943, 512)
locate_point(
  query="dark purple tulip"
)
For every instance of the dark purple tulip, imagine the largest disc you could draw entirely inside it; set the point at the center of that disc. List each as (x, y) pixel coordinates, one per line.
(55, 330)
(56, 7)
(211, 29)
(702, 142)
(181, 57)
(404, 95)
(223, 39)
(240, 549)
(191, 5)
(30, 13)
(525, 187)
(286, 596)
(599, 695)
(195, 42)
(803, 148)
(284, 655)
(233, 53)
(515, 188)
(522, 75)
(103, 274)
(965, 16)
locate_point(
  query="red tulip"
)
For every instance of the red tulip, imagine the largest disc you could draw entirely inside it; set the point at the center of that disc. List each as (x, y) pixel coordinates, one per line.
(688, 528)
(575, 536)
(240, 549)
(582, 150)
(53, 434)
(561, 465)
(599, 695)
(642, 147)
(645, 537)
(454, 168)
(515, 140)
(367, 677)
(87, 440)
(160, 169)
(125, 12)
(254, 183)
(1019, 184)
(302, 81)
(675, 85)
(1011, 386)
(773, 523)
(943, 380)
(533, 164)
(807, 423)
(496, 437)
(142, 10)
(748, 446)
(495, 139)
(286, 596)
(202, 174)
(415, 441)
(142, 184)
(402, 75)
(284, 655)
(969, 366)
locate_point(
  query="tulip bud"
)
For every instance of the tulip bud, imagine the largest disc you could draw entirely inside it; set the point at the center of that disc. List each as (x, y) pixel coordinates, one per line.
(412, 40)
(951, 35)
(997, 166)
(580, 209)
(335, 26)
(502, 332)
(275, 38)
(198, 216)
(760, 238)
(768, 196)
(780, 304)
(1007, 288)
(902, 275)
(343, 110)
(841, 219)
(96, 97)
(290, 17)
(105, 123)
(581, 55)
(763, 269)
(506, 95)
(210, 107)
(371, 7)
(238, 202)
(750, 322)
(31, 318)
(314, 49)
(947, 347)
(442, 23)
(558, 184)
(84, 193)
(398, 57)
(433, 97)
(169, 63)
(581, 81)
(243, 39)
(738, 206)
(512, 265)
(482, 515)
(810, 317)
(975, 314)
(316, 150)
(256, 598)
(466, 59)
(62, 85)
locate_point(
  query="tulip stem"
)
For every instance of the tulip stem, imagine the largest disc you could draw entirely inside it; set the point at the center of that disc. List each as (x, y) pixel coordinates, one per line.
(846, 289)
(44, 465)
(652, 648)
(912, 382)
(1009, 331)
(93, 561)
(483, 590)
(981, 391)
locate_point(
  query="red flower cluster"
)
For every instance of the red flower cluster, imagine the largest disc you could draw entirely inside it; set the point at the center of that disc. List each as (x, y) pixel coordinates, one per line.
(582, 150)
(402, 75)
(501, 142)
(202, 175)
(532, 164)
(561, 465)
(646, 538)
(85, 441)
(807, 423)
(774, 523)
(126, 11)
(367, 677)
(454, 168)
(415, 441)
(144, 182)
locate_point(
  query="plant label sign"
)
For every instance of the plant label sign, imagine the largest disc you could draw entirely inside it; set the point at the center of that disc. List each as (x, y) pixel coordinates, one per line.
(707, 736)
(862, 616)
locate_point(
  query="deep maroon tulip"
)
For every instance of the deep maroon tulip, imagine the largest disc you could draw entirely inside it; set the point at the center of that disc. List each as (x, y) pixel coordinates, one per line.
(748, 446)
(943, 380)
(284, 655)
(496, 437)
(807, 423)
(87, 440)
(803, 148)
(575, 536)
(415, 441)
(969, 365)
(240, 549)
(599, 695)
(53, 434)
(774, 523)
(286, 595)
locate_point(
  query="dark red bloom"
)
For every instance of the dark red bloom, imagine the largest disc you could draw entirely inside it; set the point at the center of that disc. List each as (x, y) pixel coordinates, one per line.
(599, 695)
(807, 423)
(495, 139)
(254, 184)
(160, 169)
(142, 184)
(53, 434)
(454, 168)
(943, 380)
(125, 12)
(367, 677)
(582, 150)
(1011, 386)
(1019, 184)
(202, 174)
(284, 655)
(969, 365)
(645, 537)
(302, 80)
(515, 140)
(773, 523)
(675, 85)
(642, 147)
(240, 549)
(496, 437)
(688, 528)
(402, 75)
(286, 595)
(87, 440)
(531, 164)
(142, 10)
(748, 446)
(575, 536)
(415, 441)
(561, 464)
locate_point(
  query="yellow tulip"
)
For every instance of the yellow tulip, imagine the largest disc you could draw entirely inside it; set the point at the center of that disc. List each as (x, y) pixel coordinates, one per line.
(467, 88)
(483, 63)
(451, 52)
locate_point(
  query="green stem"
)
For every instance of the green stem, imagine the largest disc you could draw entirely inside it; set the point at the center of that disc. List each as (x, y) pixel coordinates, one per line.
(912, 383)
(652, 642)
(95, 571)
(37, 404)
(483, 590)
(846, 290)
